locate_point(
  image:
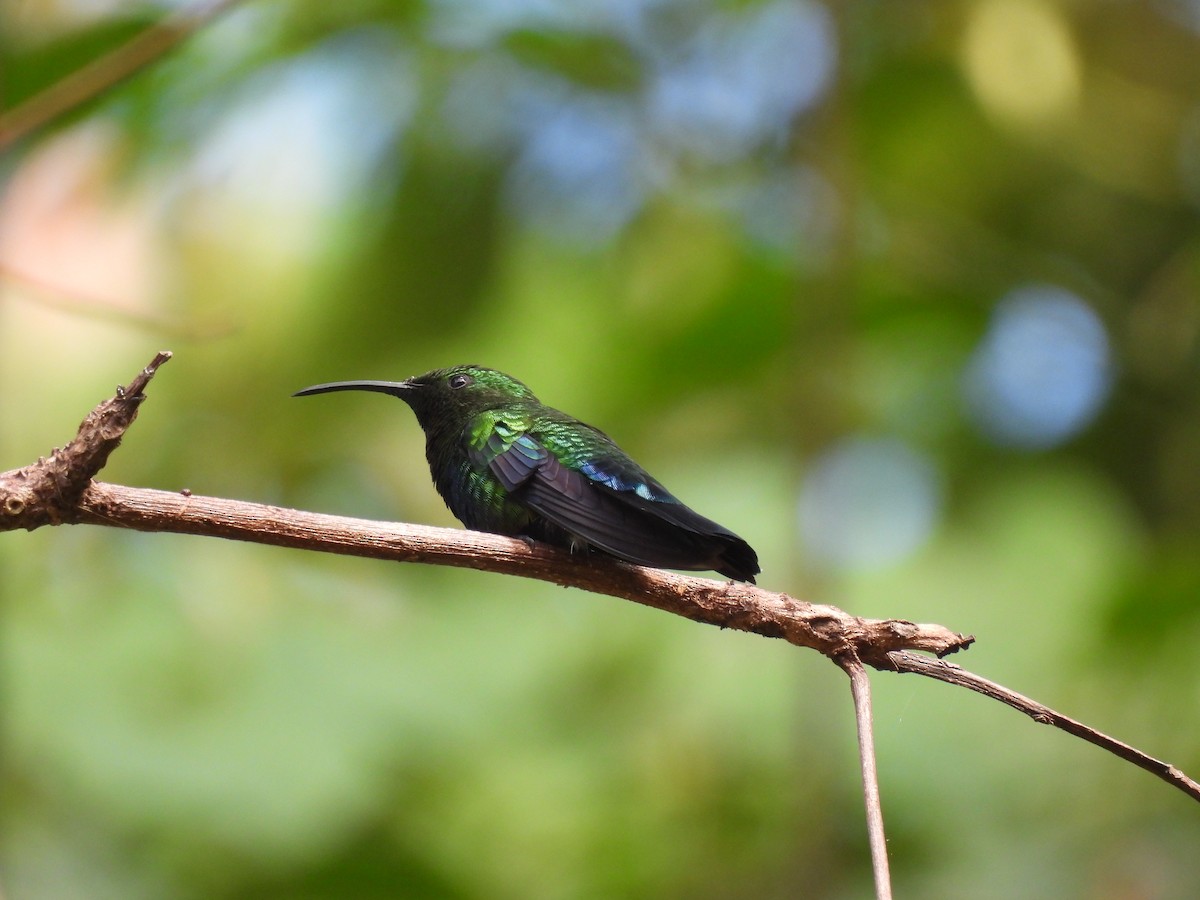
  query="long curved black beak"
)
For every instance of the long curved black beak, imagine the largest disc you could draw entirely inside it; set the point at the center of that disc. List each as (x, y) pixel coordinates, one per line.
(395, 388)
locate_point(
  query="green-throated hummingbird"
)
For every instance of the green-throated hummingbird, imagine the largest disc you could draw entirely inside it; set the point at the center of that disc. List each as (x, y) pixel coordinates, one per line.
(505, 463)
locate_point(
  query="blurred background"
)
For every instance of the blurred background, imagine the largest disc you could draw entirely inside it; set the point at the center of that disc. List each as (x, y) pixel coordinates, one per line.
(907, 294)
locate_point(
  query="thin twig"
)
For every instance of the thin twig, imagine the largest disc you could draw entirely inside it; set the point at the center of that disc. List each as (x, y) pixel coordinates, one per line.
(951, 674)
(100, 75)
(860, 687)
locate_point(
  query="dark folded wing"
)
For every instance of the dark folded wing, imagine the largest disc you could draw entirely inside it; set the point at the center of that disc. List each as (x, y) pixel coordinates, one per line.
(513, 457)
(615, 506)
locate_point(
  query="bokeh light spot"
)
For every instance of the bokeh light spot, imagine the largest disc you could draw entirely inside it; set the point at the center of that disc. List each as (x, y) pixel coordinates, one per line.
(741, 80)
(1042, 371)
(867, 503)
(1022, 61)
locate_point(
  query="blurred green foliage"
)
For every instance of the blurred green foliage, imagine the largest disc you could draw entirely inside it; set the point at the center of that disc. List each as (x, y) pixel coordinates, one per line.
(733, 236)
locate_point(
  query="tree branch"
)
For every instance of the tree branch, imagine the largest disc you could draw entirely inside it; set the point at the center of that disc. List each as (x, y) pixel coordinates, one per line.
(109, 70)
(60, 490)
(48, 491)
(725, 604)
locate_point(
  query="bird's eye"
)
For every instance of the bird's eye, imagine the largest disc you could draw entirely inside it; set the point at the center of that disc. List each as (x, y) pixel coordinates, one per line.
(459, 381)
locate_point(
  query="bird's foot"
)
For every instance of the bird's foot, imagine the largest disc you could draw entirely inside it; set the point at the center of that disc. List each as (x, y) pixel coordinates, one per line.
(531, 543)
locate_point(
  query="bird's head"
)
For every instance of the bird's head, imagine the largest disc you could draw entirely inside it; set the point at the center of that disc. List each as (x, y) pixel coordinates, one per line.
(443, 395)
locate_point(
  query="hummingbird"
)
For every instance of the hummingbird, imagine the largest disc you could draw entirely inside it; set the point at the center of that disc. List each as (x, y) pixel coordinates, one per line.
(505, 463)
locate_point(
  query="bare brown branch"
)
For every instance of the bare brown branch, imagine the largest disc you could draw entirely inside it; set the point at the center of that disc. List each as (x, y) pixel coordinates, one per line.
(61, 490)
(727, 605)
(47, 492)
